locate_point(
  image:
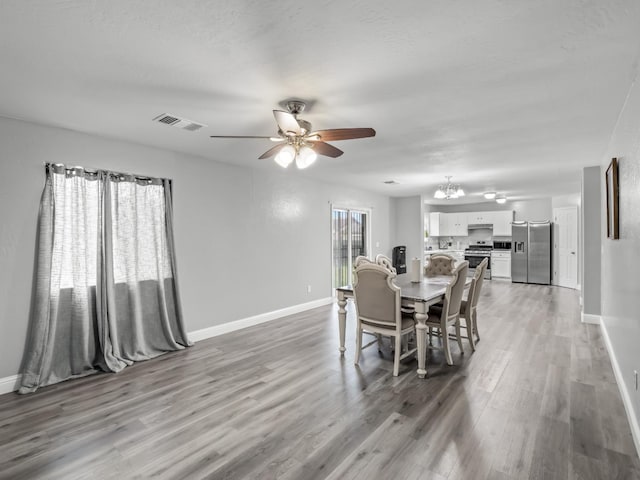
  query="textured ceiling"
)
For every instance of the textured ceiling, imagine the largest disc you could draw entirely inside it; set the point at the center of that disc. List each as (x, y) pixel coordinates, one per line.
(513, 96)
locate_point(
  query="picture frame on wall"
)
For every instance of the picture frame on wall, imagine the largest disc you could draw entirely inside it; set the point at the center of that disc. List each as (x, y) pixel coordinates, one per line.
(611, 179)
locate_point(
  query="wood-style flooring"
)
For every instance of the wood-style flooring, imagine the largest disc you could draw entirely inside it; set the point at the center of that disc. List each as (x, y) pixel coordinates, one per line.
(537, 400)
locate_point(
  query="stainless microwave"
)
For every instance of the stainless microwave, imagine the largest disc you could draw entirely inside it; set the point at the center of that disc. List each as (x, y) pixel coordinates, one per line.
(501, 245)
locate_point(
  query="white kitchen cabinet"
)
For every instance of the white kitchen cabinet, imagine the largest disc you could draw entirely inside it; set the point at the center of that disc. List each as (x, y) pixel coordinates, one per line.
(480, 218)
(448, 224)
(456, 225)
(434, 224)
(500, 264)
(502, 223)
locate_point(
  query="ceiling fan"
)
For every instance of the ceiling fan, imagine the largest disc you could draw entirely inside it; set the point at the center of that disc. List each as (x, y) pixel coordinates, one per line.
(298, 142)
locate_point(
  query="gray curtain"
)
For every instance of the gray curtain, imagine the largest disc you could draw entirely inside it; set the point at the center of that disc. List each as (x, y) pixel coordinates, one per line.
(105, 290)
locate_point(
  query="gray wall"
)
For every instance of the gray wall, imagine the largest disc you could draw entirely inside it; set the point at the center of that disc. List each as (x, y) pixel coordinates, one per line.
(591, 240)
(408, 226)
(621, 258)
(248, 241)
(566, 201)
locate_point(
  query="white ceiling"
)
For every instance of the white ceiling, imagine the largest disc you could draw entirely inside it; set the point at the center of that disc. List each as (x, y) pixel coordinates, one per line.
(506, 95)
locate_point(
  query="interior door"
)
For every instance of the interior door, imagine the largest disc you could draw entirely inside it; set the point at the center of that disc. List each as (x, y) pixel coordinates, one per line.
(350, 238)
(566, 223)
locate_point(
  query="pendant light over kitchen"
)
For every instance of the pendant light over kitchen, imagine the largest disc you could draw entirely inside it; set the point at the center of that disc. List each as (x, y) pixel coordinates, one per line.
(449, 190)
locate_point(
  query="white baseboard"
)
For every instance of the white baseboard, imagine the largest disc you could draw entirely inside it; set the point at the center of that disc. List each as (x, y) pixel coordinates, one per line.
(228, 327)
(624, 393)
(12, 383)
(9, 384)
(592, 319)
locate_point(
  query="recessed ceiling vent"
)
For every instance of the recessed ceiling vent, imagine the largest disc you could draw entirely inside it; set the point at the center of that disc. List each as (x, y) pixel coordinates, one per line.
(182, 123)
(391, 182)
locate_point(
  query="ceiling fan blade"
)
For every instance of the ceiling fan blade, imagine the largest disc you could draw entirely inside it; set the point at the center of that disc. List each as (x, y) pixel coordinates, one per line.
(287, 122)
(343, 134)
(235, 136)
(272, 151)
(327, 150)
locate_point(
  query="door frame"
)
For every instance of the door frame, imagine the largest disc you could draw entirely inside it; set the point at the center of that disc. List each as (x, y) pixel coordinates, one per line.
(556, 247)
(366, 210)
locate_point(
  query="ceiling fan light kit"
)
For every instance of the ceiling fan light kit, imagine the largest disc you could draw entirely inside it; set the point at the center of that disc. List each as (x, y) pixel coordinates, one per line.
(285, 156)
(448, 191)
(298, 142)
(306, 156)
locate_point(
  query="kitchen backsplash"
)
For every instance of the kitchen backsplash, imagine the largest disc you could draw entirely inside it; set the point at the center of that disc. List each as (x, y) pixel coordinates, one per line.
(476, 236)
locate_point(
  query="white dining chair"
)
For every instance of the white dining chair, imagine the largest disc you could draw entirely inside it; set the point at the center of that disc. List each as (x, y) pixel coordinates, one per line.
(469, 307)
(377, 301)
(441, 319)
(385, 262)
(439, 264)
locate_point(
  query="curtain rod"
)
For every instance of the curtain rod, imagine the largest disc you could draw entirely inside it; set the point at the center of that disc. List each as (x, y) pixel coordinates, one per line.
(109, 172)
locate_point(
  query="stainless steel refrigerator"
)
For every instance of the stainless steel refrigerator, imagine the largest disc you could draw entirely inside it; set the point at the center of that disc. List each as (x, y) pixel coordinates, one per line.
(531, 252)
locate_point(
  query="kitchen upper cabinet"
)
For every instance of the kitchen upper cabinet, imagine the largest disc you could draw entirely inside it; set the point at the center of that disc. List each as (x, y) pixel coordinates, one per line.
(480, 218)
(502, 223)
(435, 219)
(453, 225)
(458, 224)
(448, 224)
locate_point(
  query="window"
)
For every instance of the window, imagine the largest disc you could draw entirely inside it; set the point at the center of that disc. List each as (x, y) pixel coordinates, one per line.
(350, 238)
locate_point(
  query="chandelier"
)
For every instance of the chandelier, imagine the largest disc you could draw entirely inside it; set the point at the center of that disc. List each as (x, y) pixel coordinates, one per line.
(449, 190)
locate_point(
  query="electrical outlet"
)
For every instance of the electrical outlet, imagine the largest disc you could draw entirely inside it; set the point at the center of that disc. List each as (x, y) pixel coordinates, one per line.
(309, 291)
(635, 377)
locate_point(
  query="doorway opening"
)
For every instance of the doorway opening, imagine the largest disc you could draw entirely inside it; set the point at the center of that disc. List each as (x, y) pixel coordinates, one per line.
(566, 246)
(350, 237)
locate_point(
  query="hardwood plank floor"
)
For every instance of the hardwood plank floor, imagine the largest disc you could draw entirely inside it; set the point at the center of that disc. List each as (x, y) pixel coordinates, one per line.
(536, 400)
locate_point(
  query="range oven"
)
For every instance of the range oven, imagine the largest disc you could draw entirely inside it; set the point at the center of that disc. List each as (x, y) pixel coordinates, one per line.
(475, 254)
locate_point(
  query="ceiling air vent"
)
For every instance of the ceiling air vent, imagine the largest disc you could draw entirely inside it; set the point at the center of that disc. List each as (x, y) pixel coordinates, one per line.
(182, 123)
(391, 182)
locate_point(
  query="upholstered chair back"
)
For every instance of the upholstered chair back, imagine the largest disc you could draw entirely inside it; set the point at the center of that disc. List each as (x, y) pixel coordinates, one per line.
(377, 298)
(478, 280)
(439, 264)
(385, 262)
(360, 259)
(453, 298)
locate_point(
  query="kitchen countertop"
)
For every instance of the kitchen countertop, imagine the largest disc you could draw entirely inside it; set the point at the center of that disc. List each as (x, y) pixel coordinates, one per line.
(441, 250)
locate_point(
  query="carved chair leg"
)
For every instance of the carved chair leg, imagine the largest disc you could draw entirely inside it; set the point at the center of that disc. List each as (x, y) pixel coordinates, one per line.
(358, 344)
(459, 336)
(396, 356)
(446, 346)
(468, 321)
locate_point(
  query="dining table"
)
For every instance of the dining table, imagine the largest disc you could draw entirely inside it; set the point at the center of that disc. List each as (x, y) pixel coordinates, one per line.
(417, 295)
